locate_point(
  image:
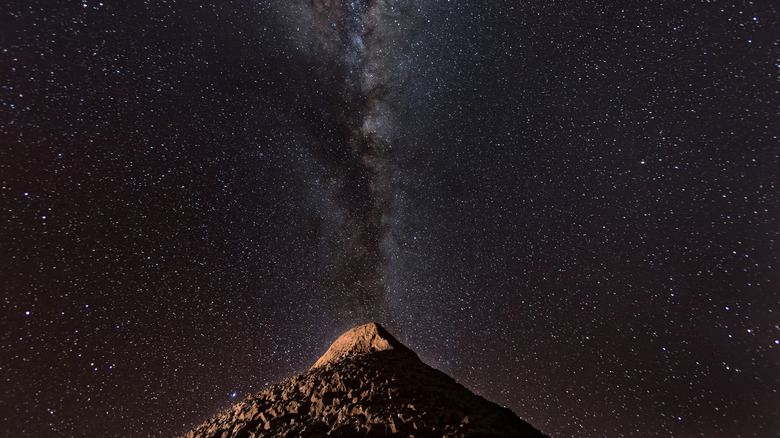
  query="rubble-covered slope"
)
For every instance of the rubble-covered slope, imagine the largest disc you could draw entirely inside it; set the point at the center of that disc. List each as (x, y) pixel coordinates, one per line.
(380, 393)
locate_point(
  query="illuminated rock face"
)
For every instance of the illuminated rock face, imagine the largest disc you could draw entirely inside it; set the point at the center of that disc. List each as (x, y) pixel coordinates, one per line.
(366, 385)
(364, 339)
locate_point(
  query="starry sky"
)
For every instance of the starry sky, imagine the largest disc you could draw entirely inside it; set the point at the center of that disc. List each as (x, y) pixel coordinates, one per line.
(568, 206)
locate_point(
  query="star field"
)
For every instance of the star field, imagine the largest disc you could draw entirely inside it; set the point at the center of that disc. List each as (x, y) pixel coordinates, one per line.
(569, 207)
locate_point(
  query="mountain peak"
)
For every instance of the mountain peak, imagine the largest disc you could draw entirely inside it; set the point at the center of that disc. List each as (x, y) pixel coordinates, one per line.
(366, 338)
(367, 385)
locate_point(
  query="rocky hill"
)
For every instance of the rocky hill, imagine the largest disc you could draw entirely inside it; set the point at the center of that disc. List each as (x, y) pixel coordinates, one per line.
(367, 384)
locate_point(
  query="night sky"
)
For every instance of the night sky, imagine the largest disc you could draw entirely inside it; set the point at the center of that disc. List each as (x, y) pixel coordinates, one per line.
(569, 206)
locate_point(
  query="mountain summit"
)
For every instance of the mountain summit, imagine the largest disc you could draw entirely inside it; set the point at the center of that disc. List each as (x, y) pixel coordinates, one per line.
(366, 338)
(367, 384)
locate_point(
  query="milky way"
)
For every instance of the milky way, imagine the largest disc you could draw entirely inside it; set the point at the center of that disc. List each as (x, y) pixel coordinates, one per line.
(356, 49)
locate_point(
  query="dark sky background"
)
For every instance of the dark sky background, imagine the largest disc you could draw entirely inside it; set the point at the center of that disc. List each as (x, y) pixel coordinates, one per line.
(568, 206)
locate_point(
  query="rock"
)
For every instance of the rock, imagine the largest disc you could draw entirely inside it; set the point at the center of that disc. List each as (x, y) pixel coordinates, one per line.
(367, 385)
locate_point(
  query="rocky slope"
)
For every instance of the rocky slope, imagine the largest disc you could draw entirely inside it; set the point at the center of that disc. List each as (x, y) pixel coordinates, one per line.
(367, 385)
